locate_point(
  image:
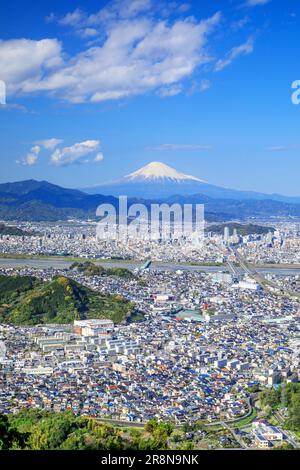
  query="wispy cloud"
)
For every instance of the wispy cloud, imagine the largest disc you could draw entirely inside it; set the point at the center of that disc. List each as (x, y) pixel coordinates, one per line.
(49, 144)
(31, 157)
(199, 87)
(15, 107)
(283, 148)
(254, 3)
(179, 147)
(234, 53)
(74, 18)
(239, 24)
(170, 91)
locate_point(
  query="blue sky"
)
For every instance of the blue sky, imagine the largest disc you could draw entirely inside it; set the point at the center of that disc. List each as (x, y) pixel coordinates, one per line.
(98, 89)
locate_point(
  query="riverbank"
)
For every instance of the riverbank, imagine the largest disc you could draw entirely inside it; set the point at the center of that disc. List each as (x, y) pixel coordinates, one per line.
(73, 259)
(64, 262)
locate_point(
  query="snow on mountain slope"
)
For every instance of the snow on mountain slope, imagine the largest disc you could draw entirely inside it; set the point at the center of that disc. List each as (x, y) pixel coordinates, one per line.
(159, 171)
(158, 180)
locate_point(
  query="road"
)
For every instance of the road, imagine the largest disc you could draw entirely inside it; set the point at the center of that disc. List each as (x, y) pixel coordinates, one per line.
(288, 434)
(290, 439)
(235, 435)
(260, 279)
(142, 424)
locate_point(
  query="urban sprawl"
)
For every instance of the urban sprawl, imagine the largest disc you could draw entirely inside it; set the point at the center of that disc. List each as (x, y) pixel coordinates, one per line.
(215, 321)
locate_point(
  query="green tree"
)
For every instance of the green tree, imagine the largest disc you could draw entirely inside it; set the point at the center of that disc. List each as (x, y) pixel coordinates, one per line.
(9, 437)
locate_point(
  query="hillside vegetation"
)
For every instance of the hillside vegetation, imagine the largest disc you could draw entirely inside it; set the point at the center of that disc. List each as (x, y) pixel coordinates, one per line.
(273, 400)
(91, 269)
(242, 229)
(29, 301)
(13, 231)
(44, 430)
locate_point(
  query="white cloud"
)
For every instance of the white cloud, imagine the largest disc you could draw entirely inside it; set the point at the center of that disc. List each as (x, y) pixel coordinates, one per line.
(121, 9)
(234, 53)
(138, 53)
(31, 157)
(99, 157)
(108, 95)
(75, 153)
(134, 51)
(74, 18)
(88, 32)
(137, 57)
(24, 62)
(254, 3)
(49, 144)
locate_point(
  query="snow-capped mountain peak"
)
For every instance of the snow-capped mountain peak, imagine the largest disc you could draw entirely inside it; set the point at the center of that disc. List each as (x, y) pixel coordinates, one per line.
(155, 171)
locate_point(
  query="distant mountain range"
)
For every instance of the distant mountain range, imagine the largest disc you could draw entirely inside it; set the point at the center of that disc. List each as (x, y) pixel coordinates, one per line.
(39, 200)
(157, 180)
(42, 201)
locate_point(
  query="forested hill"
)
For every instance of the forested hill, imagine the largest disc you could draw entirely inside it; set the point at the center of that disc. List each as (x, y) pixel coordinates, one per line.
(91, 269)
(13, 231)
(242, 229)
(29, 301)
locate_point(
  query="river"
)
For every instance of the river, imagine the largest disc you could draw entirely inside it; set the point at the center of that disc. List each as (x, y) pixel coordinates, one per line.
(64, 264)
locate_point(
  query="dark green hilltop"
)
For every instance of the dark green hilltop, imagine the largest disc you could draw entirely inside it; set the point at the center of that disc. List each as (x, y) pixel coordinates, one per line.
(90, 269)
(9, 230)
(30, 301)
(242, 229)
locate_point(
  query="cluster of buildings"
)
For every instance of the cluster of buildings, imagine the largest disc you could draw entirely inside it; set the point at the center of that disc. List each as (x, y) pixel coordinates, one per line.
(266, 435)
(79, 239)
(201, 346)
(205, 338)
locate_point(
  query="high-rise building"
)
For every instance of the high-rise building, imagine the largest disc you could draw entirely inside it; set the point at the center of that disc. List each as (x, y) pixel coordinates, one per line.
(226, 234)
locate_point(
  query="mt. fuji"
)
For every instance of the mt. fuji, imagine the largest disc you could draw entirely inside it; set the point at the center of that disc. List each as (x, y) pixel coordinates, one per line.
(157, 171)
(158, 180)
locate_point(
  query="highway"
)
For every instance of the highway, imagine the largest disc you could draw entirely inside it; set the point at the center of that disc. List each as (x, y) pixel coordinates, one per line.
(260, 279)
